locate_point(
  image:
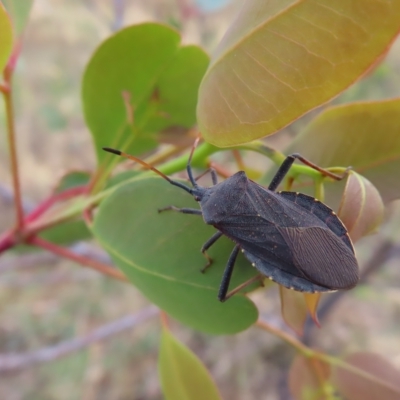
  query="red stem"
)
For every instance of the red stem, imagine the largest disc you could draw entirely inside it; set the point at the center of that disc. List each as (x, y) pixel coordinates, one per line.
(8, 101)
(46, 204)
(87, 262)
(7, 241)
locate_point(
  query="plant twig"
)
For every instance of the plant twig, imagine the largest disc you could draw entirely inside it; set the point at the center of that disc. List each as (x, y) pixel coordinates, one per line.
(87, 262)
(284, 336)
(8, 101)
(46, 204)
(13, 362)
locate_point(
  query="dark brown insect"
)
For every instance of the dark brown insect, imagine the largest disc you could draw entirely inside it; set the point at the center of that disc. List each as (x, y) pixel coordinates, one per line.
(291, 238)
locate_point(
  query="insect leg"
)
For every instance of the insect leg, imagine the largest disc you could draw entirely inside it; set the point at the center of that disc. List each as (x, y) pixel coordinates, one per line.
(281, 173)
(206, 246)
(285, 166)
(213, 175)
(182, 210)
(226, 278)
(237, 289)
(323, 171)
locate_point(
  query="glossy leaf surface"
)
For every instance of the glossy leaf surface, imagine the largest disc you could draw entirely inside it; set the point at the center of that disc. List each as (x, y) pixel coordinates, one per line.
(6, 37)
(182, 374)
(282, 58)
(362, 135)
(138, 82)
(160, 254)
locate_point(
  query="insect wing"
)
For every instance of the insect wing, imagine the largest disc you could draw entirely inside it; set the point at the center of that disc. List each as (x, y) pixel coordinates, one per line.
(322, 257)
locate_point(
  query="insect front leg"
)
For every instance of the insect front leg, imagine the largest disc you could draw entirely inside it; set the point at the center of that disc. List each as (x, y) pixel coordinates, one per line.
(181, 210)
(206, 246)
(213, 173)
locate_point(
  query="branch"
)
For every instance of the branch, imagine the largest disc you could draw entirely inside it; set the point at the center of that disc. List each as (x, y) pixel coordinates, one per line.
(35, 259)
(284, 336)
(87, 262)
(13, 362)
(8, 101)
(50, 201)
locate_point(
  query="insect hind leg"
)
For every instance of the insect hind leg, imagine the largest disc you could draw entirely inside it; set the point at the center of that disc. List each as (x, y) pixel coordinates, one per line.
(206, 246)
(288, 162)
(226, 277)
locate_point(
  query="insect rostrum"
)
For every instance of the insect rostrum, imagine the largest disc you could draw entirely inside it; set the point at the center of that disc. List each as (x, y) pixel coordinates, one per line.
(291, 238)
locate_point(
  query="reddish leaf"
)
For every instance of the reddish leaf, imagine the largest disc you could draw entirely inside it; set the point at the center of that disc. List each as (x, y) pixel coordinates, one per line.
(293, 308)
(308, 379)
(361, 208)
(377, 378)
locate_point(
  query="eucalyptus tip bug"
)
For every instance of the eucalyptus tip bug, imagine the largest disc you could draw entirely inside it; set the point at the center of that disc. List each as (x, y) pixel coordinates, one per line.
(290, 238)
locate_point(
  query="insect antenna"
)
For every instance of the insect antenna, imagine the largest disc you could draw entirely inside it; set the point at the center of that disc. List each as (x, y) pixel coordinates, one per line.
(189, 167)
(148, 166)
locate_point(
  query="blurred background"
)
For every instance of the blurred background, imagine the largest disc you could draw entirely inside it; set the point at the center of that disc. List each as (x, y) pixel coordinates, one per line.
(46, 302)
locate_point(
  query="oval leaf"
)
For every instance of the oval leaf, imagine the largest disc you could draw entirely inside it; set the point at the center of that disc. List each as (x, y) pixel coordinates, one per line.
(363, 135)
(280, 59)
(307, 378)
(6, 37)
(138, 82)
(382, 381)
(182, 374)
(160, 254)
(361, 208)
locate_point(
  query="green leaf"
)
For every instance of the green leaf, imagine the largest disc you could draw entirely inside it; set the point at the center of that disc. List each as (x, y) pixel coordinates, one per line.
(6, 37)
(19, 13)
(73, 179)
(160, 254)
(67, 232)
(182, 375)
(361, 208)
(363, 135)
(158, 79)
(281, 59)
